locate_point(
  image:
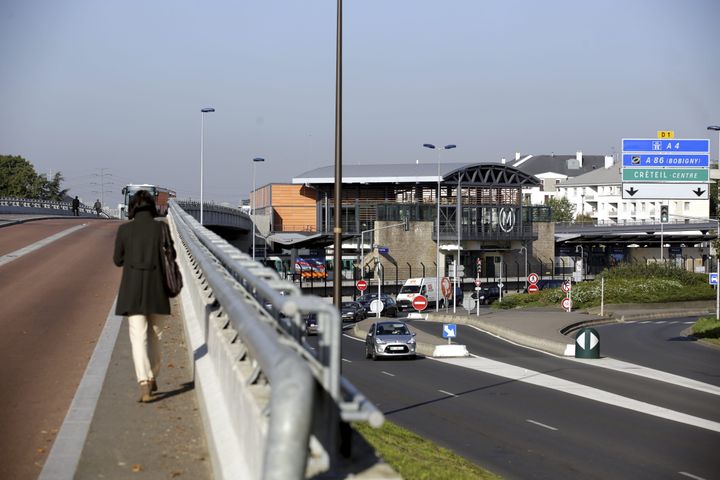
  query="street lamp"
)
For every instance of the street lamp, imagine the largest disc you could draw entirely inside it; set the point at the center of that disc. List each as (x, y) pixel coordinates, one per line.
(202, 152)
(437, 244)
(252, 198)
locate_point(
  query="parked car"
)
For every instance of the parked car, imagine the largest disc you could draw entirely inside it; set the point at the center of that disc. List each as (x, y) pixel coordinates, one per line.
(487, 294)
(352, 312)
(390, 308)
(459, 295)
(389, 339)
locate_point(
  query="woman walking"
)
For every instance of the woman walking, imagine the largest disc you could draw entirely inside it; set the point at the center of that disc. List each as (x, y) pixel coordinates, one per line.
(142, 297)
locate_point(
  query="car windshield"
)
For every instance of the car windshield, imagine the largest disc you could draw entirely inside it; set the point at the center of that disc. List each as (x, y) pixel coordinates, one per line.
(410, 289)
(349, 305)
(392, 329)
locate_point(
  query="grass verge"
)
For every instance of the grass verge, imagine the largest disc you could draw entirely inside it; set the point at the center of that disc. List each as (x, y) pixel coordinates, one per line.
(416, 458)
(707, 328)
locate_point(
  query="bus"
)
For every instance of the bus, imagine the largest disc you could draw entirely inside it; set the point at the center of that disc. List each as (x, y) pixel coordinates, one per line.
(160, 194)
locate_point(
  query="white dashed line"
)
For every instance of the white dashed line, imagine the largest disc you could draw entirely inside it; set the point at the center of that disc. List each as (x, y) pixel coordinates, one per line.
(447, 393)
(690, 475)
(661, 321)
(31, 248)
(541, 424)
(388, 374)
(346, 360)
(646, 321)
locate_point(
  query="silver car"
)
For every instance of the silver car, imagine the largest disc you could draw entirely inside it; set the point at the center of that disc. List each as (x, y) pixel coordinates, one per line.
(389, 339)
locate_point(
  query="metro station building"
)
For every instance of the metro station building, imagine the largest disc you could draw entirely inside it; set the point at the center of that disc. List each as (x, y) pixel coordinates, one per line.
(400, 214)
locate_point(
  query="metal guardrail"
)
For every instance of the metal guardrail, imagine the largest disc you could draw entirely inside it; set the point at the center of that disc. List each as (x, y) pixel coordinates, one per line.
(307, 393)
(28, 206)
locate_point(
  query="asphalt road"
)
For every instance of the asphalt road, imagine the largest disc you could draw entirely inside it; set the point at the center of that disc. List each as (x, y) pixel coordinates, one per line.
(520, 430)
(54, 304)
(663, 345)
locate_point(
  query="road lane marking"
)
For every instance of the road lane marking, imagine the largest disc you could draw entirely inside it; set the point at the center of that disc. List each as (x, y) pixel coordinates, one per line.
(520, 374)
(646, 321)
(541, 424)
(660, 321)
(64, 456)
(625, 367)
(447, 393)
(346, 360)
(5, 259)
(690, 475)
(386, 373)
(353, 338)
(640, 371)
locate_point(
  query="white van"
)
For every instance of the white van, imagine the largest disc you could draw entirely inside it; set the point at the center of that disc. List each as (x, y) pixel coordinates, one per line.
(425, 286)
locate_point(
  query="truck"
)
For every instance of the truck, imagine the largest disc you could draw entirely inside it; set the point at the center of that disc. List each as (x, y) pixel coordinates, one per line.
(425, 286)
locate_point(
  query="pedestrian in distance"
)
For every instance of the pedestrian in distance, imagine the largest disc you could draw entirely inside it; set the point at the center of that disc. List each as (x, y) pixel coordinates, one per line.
(142, 297)
(76, 206)
(98, 207)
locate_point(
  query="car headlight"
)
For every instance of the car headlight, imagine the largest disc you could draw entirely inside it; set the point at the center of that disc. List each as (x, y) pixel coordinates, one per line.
(411, 341)
(379, 342)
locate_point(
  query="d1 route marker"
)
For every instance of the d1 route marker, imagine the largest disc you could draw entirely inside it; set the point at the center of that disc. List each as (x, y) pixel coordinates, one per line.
(361, 285)
(533, 278)
(419, 303)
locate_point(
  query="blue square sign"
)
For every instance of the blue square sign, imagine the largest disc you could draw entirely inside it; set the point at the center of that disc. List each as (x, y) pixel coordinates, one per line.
(449, 330)
(712, 278)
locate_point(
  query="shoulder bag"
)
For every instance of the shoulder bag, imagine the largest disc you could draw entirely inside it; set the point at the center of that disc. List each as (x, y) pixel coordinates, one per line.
(172, 278)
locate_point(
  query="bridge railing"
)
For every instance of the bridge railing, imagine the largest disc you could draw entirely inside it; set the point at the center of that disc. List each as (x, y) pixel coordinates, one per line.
(289, 403)
(28, 206)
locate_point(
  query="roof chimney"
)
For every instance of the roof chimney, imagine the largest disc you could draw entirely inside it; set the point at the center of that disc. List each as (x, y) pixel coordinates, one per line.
(517, 156)
(609, 160)
(578, 156)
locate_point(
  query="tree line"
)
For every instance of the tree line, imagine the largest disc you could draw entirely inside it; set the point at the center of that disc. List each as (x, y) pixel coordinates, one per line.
(18, 178)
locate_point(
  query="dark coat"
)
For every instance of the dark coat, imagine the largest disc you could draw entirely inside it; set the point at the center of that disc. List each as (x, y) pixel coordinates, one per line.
(137, 250)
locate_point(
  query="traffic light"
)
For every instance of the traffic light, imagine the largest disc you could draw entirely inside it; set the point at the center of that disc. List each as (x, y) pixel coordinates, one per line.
(664, 214)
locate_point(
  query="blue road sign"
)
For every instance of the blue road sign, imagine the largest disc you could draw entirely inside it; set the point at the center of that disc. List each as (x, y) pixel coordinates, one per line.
(449, 330)
(651, 145)
(383, 250)
(666, 160)
(713, 278)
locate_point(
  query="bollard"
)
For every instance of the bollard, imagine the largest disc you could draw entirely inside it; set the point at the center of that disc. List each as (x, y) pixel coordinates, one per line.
(587, 343)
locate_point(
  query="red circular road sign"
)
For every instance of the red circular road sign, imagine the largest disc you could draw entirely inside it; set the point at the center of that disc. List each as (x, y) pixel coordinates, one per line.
(566, 286)
(419, 303)
(533, 278)
(361, 285)
(445, 287)
(532, 288)
(477, 282)
(566, 303)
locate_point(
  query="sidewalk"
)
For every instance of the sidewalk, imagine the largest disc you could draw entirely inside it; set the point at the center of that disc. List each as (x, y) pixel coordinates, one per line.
(163, 439)
(549, 329)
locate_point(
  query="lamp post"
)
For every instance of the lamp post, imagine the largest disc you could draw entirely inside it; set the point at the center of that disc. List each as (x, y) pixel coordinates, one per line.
(252, 199)
(437, 244)
(202, 153)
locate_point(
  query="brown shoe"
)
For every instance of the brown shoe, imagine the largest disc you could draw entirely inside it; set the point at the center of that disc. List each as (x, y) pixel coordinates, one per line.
(145, 394)
(153, 386)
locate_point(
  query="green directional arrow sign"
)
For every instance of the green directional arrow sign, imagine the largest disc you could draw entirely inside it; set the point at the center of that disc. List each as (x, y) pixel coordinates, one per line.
(665, 175)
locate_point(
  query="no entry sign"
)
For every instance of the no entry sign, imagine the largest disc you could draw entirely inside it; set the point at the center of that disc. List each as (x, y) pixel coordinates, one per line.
(532, 288)
(361, 285)
(419, 303)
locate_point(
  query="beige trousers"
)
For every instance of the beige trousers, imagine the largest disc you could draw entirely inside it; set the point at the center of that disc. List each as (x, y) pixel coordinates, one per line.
(145, 334)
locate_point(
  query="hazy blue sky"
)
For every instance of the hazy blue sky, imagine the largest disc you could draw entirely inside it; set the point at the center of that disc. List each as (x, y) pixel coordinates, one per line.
(118, 85)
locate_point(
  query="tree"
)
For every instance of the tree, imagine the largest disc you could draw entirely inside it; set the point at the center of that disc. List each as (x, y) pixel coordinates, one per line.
(19, 179)
(561, 208)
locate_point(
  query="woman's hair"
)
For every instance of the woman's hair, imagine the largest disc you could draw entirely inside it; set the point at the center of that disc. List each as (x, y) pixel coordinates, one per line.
(142, 200)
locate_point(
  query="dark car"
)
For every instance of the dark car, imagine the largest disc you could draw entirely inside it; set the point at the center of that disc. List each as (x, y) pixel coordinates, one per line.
(311, 324)
(352, 312)
(390, 308)
(459, 295)
(487, 294)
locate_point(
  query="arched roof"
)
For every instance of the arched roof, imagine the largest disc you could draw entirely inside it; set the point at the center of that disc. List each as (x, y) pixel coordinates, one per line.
(491, 174)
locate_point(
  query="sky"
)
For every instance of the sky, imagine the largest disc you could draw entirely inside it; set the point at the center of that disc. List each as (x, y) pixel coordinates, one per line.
(109, 92)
